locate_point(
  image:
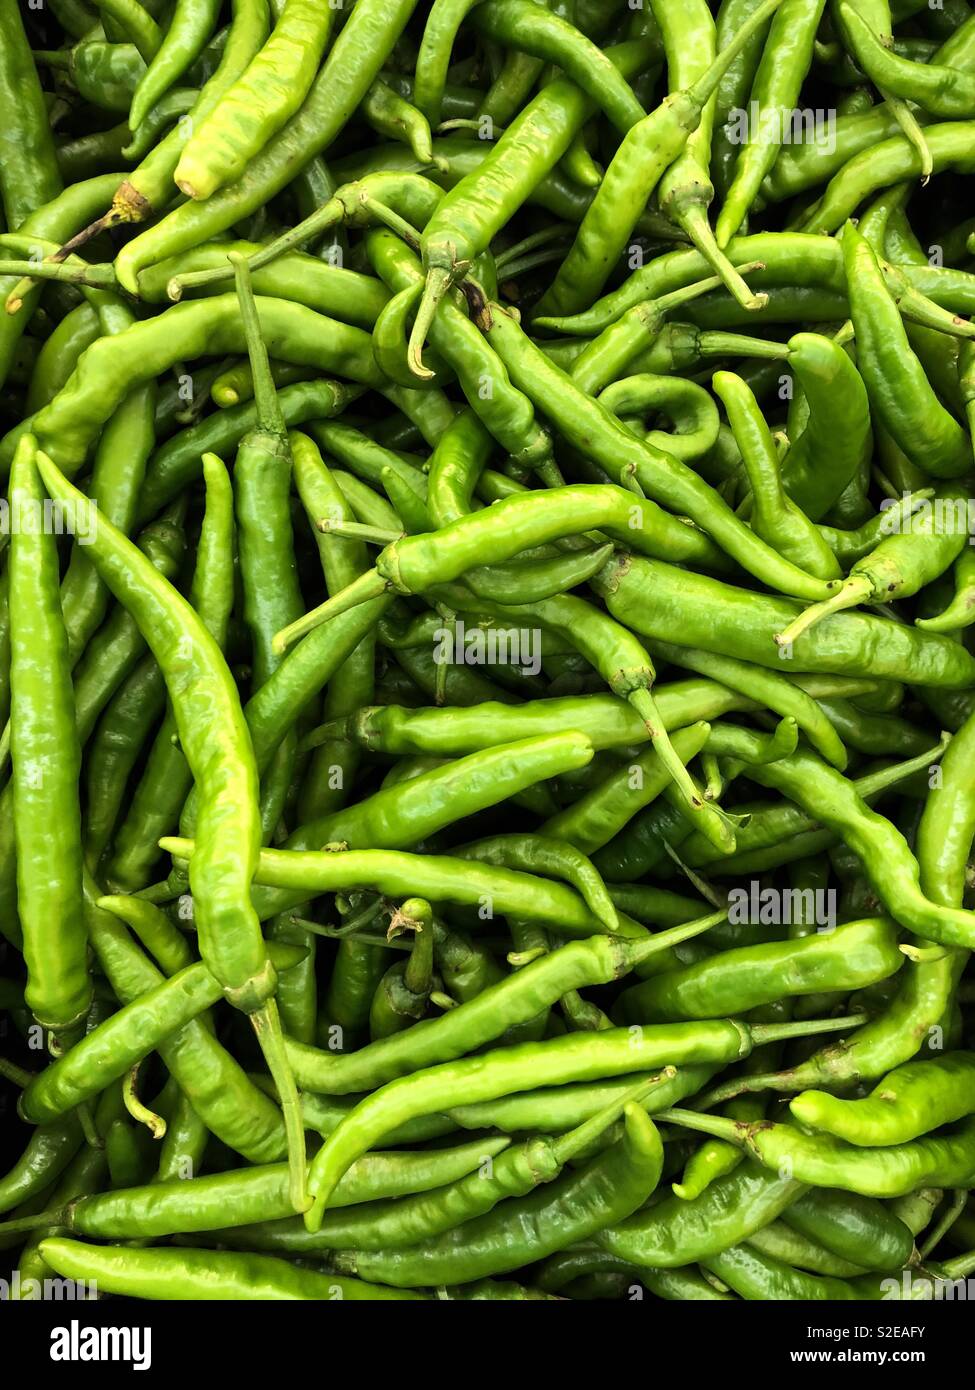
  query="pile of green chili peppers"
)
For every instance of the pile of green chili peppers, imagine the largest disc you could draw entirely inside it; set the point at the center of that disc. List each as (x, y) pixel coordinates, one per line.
(487, 689)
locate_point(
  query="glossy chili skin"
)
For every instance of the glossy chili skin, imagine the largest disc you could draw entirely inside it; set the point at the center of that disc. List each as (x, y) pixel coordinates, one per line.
(754, 1275)
(109, 1051)
(233, 1108)
(260, 1193)
(836, 435)
(792, 260)
(29, 175)
(845, 958)
(349, 70)
(207, 1274)
(228, 760)
(940, 88)
(909, 1102)
(784, 63)
(105, 372)
(259, 103)
(555, 1061)
(479, 205)
(549, 36)
(899, 391)
(732, 621)
(54, 221)
(192, 24)
(159, 796)
(673, 1233)
(46, 754)
(608, 1188)
(585, 424)
(122, 732)
(775, 516)
(821, 1160)
(648, 148)
(879, 166)
(177, 463)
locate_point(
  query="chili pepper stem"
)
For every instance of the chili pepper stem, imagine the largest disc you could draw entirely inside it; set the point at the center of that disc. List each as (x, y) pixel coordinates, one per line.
(368, 586)
(267, 1025)
(57, 1216)
(269, 413)
(17, 1076)
(732, 1130)
(403, 229)
(909, 125)
(155, 1124)
(576, 1141)
(436, 285)
(357, 531)
(806, 1028)
(693, 218)
(850, 594)
(638, 952)
(709, 819)
(98, 276)
(113, 218)
(676, 298)
(932, 1240)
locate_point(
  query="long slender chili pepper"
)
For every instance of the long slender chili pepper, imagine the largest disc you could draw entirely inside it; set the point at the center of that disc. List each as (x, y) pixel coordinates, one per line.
(738, 622)
(209, 1274)
(224, 769)
(192, 24)
(571, 1058)
(611, 1186)
(259, 102)
(46, 764)
(784, 63)
(29, 176)
(479, 205)
(349, 70)
(691, 39)
(158, 799)
(901, 564)
(639, 163)
(944, 1161)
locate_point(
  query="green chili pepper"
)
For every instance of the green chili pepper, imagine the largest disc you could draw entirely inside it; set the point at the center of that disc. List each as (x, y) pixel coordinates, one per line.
(224, 769)
(845, 958)
(672, 1233)
(29, 176)
(640, 162)
(785, 61)
(609, 1187)
(259, 103)
(189, 30)
(739, 622)
(902, 563)
(909, 1102)
(209, 1274)
(46, 756)
(580, 1056)
(355, 59)
(166, 779)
